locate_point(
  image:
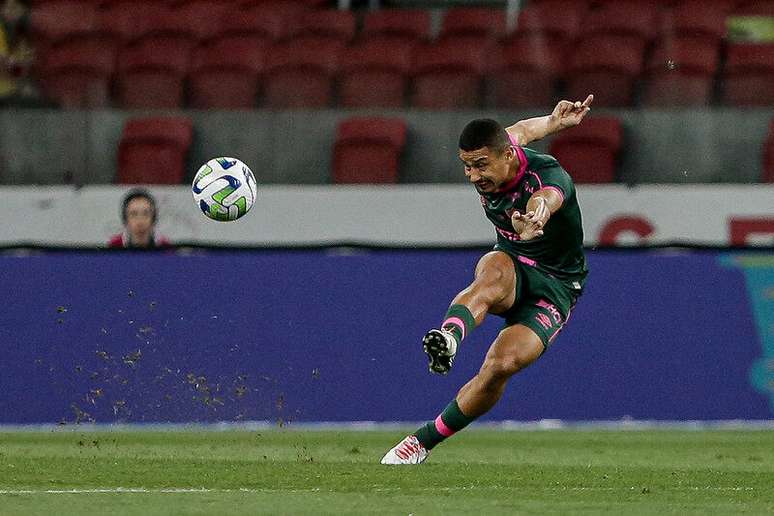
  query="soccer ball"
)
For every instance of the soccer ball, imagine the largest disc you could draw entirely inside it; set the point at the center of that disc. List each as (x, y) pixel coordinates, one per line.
(224, 189)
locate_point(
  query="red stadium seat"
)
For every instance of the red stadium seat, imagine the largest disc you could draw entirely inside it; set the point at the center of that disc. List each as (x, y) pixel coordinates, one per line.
(57, 20)
(687, 19)
(397, 24)
(154, 150)
(607, 66)
(375, 74)
(448, 75)
(632, 23)
(367, 150)
(225, 74)
(300, 74)
(681, 72)
(527, 72)
(77, 74)
(748, 79)
(204, 18)
(475, 24)
(328, 23)
(540, 18)
(589, 151)
(754, 8)
(269, 23)
(152, 77)
(130, 19)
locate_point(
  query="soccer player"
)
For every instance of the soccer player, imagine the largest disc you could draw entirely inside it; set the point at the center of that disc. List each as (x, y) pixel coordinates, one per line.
(532, 278)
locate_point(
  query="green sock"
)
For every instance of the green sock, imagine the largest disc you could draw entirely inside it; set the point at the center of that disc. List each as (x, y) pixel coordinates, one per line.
(451, 421)
(459, 321)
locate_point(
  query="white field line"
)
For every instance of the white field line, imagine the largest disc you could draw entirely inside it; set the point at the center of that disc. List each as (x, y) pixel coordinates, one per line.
(200, 490)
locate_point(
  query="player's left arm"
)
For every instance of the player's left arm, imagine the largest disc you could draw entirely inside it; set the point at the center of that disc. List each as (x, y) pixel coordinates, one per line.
(565, 114)
(541, 205)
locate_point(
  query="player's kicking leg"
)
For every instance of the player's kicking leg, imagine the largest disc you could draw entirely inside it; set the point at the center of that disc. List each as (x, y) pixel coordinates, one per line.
(515, 348)
(492, 290)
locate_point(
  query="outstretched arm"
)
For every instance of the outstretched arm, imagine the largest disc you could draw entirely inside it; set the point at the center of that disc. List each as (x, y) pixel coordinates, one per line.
(565, 114)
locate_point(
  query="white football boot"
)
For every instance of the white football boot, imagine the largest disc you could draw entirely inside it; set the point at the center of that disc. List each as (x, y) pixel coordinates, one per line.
(408, 451)
(441, 348)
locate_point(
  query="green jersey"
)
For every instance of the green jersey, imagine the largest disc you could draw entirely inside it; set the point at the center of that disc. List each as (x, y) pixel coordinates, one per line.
(559, 252)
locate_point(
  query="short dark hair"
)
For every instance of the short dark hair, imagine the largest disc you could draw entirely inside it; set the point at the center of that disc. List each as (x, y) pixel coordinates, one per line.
(138, 193)
(484, 132)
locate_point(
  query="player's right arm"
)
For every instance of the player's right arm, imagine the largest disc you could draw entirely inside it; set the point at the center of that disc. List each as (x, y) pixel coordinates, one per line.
(565, 114)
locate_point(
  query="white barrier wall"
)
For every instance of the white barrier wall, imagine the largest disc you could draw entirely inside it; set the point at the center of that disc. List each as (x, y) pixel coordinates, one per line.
(392, 215)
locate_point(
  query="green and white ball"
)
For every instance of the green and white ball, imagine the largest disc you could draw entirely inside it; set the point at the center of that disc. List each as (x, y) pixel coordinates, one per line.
(224, 189)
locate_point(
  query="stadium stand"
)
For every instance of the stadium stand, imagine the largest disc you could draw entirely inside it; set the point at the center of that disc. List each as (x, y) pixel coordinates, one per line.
(128, 20)
(367, 150)
(540, 19)
(768, 155)
(151, 75)
(474, 24)
(631, 23)
(154, 150)
(375, 73)
(326, 24)
(54, 21)
(226, 73)
(300, 73)
(685, 20)
(590, 150)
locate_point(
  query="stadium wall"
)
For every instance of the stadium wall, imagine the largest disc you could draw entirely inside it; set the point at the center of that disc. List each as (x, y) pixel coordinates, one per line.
(397, 215)
(333, 335)
(295, 147)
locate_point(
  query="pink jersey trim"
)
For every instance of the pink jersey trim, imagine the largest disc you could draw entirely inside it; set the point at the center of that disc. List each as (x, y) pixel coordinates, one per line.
(442, 428)
(522, 168)
(458, 322)
(557, 190)
(527, 261)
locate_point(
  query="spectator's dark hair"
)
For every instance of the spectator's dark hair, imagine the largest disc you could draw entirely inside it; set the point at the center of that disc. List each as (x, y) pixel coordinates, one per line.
(138, 193)
(484, 132)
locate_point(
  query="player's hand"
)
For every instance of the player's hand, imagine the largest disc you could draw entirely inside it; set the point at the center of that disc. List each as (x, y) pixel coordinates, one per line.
(567, 114)
(527, 225)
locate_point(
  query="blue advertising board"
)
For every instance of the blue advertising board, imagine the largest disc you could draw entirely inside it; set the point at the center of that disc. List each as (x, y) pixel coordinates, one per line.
(334, 335)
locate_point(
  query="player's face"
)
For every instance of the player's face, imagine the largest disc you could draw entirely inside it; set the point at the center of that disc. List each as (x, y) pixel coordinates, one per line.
(487, 169)
(139, 218)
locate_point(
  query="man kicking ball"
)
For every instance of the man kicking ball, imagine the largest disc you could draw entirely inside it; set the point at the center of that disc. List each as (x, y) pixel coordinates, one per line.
(532, 278)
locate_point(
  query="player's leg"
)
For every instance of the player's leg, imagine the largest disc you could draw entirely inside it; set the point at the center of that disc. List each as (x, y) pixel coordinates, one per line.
(515, 348)
(493, 290)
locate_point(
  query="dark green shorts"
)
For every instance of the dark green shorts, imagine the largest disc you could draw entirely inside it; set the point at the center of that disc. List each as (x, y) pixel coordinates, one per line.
(543, 302)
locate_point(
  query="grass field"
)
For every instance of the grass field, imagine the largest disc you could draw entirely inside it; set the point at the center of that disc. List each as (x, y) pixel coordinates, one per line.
(303, 472)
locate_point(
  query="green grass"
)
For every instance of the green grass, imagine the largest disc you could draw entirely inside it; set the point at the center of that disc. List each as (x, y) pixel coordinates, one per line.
(304, 472)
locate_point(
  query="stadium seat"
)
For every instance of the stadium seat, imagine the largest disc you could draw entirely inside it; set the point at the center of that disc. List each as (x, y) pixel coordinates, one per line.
(269, 23)
(589, 151)
(397, 24)
(681, 71)
(748, 79)
(476, 24)
(154, 150)
(754, 8)
(151, 76)
(541, 19)
(367, 150)
(608, 66)
(687, 19)
(375, 73)
(633, 24)
(130, 19)
(77, 74)
(447, 75)
(526, 73)
(54, 21)
(203, 17)
(225, 74)
(300, 74)
(326, 24)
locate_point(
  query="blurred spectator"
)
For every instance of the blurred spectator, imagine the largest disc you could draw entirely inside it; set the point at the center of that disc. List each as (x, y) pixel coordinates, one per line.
(16, 53)
(139, 215)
